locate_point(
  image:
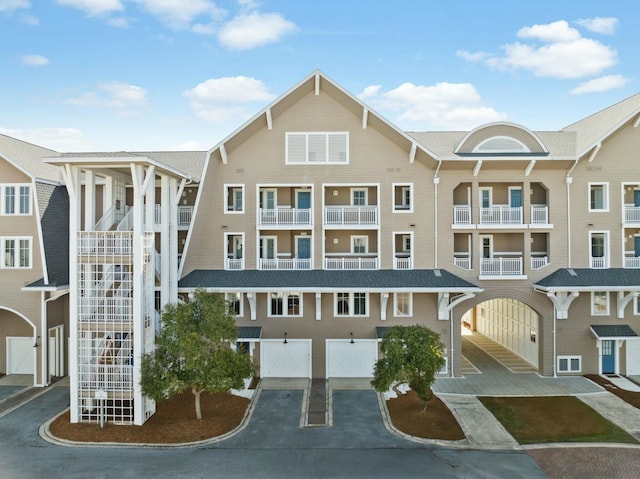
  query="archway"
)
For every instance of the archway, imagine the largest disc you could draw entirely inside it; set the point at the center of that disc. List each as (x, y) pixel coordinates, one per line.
(17, 336)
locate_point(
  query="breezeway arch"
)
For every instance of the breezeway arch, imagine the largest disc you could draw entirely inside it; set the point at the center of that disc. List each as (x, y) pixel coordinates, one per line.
(18, 334)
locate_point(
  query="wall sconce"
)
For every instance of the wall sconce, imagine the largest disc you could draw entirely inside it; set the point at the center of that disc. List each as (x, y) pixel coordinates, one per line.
(285, 338)
(335, 240)
(352, 341)
(335, 192)
(35, 343)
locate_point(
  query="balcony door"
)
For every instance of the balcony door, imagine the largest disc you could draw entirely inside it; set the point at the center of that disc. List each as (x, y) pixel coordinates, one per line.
(303, 199)
(486, 247)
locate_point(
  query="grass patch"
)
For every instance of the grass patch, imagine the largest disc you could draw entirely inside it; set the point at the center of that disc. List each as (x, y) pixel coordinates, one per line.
(533, 420)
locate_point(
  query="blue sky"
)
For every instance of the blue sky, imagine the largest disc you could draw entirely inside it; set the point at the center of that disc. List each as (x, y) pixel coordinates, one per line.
(85, 75)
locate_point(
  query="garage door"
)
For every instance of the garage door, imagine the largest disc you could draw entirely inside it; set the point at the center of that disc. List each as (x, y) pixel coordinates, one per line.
(351, 360)
(633, 357)
(285, 360)
(19, 355)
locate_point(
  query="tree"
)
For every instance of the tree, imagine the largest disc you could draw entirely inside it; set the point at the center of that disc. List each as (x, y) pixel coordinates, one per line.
(194, 351)
(412, 355)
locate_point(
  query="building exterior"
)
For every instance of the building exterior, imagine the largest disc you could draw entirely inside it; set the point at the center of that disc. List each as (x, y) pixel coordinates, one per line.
(323, 224)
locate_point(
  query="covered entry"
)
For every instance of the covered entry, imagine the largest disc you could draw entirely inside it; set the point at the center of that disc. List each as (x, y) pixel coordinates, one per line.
(285, 358)
(351, 358)
(609, 339)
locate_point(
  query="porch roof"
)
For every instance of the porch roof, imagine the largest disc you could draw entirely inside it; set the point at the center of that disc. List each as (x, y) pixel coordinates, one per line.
(612, 331)
(587, 279)
(248, 333)
(417, 280)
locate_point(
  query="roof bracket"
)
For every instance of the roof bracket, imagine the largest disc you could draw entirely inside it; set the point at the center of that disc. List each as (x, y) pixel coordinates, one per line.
(365, 117)
(637, 122)
(445, 307)
(529, 167)
(476, 169)
(561, 301)
(595, 151)
(317, 84)
(223, 154)
(269, 120)
(384, 298)
(412, 153)
(623, 300)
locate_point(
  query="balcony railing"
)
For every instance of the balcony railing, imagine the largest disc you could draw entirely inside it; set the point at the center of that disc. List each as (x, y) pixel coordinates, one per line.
(351, 263)
(284, 263)
(539, 262)
(631, 214)
(351, 215)
(463, 262)
(185, 214)
(501, 215)
(462, 215)
(402, 263)
(632, 262)
(540, 215)
(598, 262)
(501, 266)
(234, 264)
(284, 216)
(107, 377)
(105, 243)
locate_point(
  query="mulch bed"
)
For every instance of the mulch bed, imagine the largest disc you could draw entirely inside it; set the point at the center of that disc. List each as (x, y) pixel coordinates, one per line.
(631, 397)
(437, 422)
(174, 422)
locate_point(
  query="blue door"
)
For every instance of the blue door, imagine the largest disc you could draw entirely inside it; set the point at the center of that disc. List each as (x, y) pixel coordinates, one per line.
(636, 197)
(304, 200)
(303, 207)
(636, 245)
(516, 198)
(304, 247)
(608, 356)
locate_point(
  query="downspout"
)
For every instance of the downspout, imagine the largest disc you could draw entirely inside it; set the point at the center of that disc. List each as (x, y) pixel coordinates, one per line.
(555, 352)
(568, 180)
(436, 181)
(451, 341)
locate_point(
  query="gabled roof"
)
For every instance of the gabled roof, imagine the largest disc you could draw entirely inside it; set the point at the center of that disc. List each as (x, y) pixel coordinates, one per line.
(319, 78)
(586, 279)
(54, 220)
(425, 280)
(28, 158)
(597, 127)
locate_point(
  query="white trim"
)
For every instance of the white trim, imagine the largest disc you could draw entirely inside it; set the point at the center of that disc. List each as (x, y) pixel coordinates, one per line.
(226, 245)
(43, 257)
(16, 246)
(402, 207)
(16, 198)
(594, 312)
(228, 189)
(285, 295)
(606, 254)
(306, 135)
(605, 194)
(395, 305)
(365, 242)
(353, 190)
(234, 298)
(350, 305)
(569, 358)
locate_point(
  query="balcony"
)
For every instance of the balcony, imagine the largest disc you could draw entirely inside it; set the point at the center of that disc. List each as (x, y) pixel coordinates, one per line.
(501, 267)
(284, 217)
(501, 215)
(284, 264)
(185, 213)
(540, 215)
(598, 262)
(402, 262)
(539, 262)
(462, 215)
(632, 215)
(346, 262)
(234, 264)
(462, 260)
(351, 216)
(632, 262)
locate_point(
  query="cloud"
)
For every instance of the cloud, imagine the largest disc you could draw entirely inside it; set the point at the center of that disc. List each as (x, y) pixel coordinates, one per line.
(35, 60)
(254, 29)
(450, 106)
(11, 5)
(605, 83)
(369, 92)
(606, 26)
(227, 98)
(112, 95)
(59, 139)
(180, 14)
(93, 7)
(472, 57)
(556, 51)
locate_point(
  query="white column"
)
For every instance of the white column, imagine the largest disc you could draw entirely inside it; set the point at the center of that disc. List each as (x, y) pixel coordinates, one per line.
(165, 258)
(89, 200)
(173, 241)
(150, 215)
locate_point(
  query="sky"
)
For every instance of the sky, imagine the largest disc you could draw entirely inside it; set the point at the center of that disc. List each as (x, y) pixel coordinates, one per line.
(141, 75)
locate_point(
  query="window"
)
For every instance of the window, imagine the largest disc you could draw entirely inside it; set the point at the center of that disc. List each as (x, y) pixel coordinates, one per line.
(359, 244)
(599, 303)
(403, 304)
(285, 304)
(234, 199)
(15, 253)
(234, 303)
(359, 197)
(599, 249)
(402, 201)
(569, 364)
(406, 243)
(598, 197)
(317, 148)
(16, 199)
(351, 304)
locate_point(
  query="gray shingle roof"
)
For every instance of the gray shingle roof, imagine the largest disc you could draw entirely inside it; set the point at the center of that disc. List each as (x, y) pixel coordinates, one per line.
(54, 218)
(313, 280)
(613, 331)
(28, 157)
(249, 332)
(586, 279)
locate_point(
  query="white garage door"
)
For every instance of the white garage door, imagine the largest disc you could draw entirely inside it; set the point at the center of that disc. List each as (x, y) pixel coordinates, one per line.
(633, 357)
(285, 360)
(351, 360)
(19, 355)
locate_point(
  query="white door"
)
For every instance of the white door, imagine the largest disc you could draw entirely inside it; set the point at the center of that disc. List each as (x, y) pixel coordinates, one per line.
(285, 360)
(20, 355)
(633, 357)
(346, 359)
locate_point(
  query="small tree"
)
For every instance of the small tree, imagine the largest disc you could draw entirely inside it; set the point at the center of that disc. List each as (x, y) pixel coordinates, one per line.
(194, 351)
(412, 355)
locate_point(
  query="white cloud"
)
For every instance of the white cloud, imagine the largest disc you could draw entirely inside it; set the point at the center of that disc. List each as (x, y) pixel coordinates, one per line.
(369, 92)
(11, 5)
(113, 95)
(605, 83)
(119, 22)
(35, 60)
(93, 7)
(472, 56)
(59, 139)
(192, 145)
(227, 98)
(181, 13)
(254, 29)
(30, 20)
(564, 53)
(451, 106)
(606, 26)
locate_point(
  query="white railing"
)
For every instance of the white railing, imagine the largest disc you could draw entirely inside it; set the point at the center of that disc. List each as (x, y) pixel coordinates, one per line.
(501, 215)
(598, 262)
(105, 376)
(538, 262)
(540, 215)
(158, 262)
(632, 262)
(501, 266)
(106, 222)
(234, 263)
(462, 262)
(288, 263)
(631, 214)
(112, 309)
(284, 216)
(351, 263)
(351, 215)
(126, 224)
(462, 215)
(402, 263)
(105, 243)
(185, 214)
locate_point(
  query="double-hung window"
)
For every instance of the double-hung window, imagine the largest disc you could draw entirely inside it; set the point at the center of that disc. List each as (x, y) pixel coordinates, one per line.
(285, 304)
(569, 364)
(234, 303)
(234, 199)
(403, 304)
(351, 304)
(598, 197)
(15, 253)
(599, 303)
(16, 199)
